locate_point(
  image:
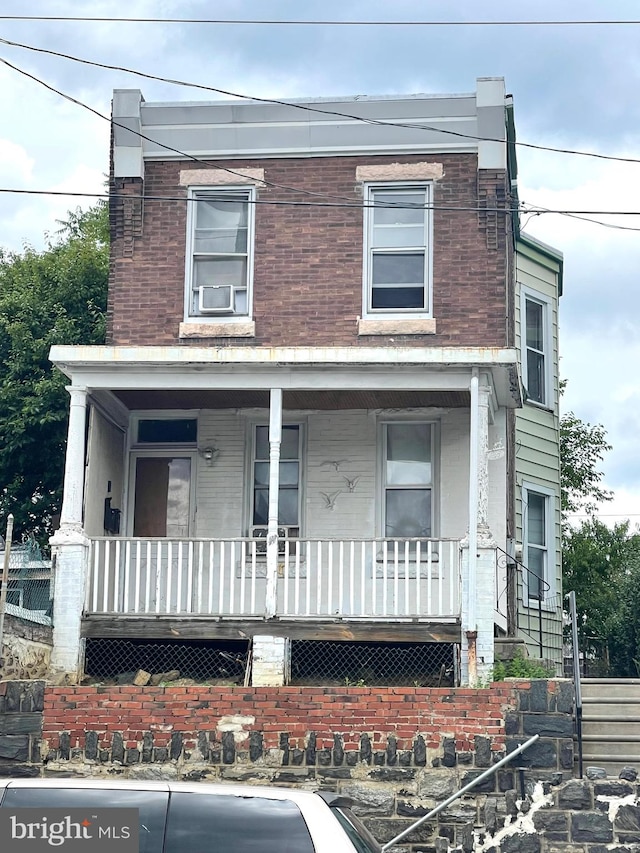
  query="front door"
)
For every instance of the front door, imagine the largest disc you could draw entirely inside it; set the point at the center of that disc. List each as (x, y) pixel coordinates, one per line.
(162, 496)
(156, 580)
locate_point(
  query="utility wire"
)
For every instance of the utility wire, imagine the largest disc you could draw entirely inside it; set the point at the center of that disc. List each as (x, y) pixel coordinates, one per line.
(308, 108)
(316, 23)
(354, 206)
(341, 199)
(191, 157)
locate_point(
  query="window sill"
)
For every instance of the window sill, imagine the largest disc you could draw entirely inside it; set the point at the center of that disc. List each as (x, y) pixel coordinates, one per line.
(233, 329)
(400, 326)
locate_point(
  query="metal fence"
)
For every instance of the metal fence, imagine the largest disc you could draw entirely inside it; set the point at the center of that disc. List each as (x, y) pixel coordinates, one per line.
(324, 663)
(117, 661)
(29, 588)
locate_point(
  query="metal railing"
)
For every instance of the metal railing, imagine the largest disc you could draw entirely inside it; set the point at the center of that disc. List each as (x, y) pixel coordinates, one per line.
(443, 805)
(536, 617)
(385, 578)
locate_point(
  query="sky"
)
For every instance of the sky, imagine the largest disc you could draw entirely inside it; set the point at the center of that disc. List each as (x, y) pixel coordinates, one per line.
(574, 87)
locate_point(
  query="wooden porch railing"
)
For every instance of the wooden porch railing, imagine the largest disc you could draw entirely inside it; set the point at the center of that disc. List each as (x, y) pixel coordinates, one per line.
(348, 578)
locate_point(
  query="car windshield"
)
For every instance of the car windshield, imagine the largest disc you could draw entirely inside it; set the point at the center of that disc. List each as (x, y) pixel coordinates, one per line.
(358, 833)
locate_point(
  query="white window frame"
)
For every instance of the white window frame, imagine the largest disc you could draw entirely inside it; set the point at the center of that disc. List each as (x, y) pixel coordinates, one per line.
(241, 191)
(370, 190)
(529, 295)
(549, 572)
(249, 467)
(434, 425)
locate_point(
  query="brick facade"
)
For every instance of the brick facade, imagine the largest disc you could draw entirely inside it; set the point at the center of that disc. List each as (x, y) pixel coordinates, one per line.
(308, 258)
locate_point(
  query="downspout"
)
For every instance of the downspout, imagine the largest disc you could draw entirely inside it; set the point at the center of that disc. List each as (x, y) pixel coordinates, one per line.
(472, 631)
(275, 438)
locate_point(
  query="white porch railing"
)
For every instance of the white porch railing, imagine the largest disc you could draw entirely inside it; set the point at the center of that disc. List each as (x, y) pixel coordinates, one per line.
(384, 578)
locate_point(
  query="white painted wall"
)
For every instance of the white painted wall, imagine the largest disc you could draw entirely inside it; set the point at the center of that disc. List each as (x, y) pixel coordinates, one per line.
(349, 437)
(105, 462)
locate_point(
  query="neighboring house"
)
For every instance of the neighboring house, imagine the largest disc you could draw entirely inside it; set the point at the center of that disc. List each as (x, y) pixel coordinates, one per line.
(538, 596)
(303, 428)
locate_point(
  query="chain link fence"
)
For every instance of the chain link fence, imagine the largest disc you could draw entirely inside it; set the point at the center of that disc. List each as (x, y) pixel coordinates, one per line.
(324, 663)
(118, 661)
(29, 588)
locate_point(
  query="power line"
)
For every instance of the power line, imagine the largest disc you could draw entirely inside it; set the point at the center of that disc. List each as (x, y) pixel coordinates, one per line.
(308, 108)
(341, 199)
(161, 144)
(315, 23)
(288, 203)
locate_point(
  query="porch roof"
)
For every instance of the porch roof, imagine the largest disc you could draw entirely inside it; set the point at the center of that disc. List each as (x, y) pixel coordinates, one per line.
(127, 369)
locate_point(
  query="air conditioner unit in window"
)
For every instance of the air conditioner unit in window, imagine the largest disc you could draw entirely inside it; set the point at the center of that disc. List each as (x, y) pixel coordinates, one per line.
(260, 533)
(216, 299)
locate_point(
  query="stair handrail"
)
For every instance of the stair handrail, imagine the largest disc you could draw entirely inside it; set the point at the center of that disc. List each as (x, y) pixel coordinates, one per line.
(462, 791)
(573, 616)
(544, 587)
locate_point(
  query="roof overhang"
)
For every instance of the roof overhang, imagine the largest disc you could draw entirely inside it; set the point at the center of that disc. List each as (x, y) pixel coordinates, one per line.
(291, 368)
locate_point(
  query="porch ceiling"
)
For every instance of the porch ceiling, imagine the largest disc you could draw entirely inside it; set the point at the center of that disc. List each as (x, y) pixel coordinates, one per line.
(298, 400)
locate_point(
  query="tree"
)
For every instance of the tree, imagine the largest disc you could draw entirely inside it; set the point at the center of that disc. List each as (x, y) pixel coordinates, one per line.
(594, 558)
(582, 447)
(57, 296)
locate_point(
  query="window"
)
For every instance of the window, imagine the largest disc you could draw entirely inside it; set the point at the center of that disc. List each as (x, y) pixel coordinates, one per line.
(151, 805)
(289, 494)
(538, 542)
(408, 479)
(221, 244)
(535, 348)
(397, 246)
(224, 823)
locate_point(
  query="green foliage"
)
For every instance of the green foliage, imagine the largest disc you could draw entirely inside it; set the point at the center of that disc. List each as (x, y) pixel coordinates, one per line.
(594, 558)
(623, 626)
(57, 296)
(521, 667)
(582, 447)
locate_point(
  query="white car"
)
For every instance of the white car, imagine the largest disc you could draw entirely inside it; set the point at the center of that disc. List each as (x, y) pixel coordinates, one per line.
(179, 817)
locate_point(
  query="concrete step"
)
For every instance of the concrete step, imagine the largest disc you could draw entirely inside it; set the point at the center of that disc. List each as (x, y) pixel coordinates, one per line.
(623, 727)
(614, 709)
(611, 747)
(612, 766)
(609, 689)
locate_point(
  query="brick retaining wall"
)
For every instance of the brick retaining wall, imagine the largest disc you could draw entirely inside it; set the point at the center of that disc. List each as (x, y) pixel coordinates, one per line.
(396, 751)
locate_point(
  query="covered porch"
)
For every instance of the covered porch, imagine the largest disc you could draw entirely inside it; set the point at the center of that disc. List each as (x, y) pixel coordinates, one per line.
(297, 487)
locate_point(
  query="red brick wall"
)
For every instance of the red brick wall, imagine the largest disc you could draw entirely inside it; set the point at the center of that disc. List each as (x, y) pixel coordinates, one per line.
(403, 712)
(308, 260)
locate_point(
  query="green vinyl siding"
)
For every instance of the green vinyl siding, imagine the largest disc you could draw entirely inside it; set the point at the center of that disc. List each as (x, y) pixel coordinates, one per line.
(537, 457)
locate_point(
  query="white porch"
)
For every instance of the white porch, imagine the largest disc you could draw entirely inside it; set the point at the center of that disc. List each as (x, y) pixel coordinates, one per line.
(336, 561)
(350, 579)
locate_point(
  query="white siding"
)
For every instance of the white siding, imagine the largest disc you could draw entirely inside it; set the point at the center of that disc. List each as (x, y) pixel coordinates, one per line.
(349, 438)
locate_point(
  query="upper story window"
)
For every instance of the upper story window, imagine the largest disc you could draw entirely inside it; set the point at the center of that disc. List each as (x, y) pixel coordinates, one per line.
(220, 253)
(398, 250)
(536, 348)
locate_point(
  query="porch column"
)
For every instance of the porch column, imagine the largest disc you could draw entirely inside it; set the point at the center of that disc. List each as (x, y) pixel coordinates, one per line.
(483, 463)
(479, 548)
(70, 550)
(275, 438)
(73, 494)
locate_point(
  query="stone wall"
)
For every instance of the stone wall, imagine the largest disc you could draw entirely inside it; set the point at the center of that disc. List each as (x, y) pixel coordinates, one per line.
(21, 706)
(396, 751)
(26, 649)
(596, 815)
